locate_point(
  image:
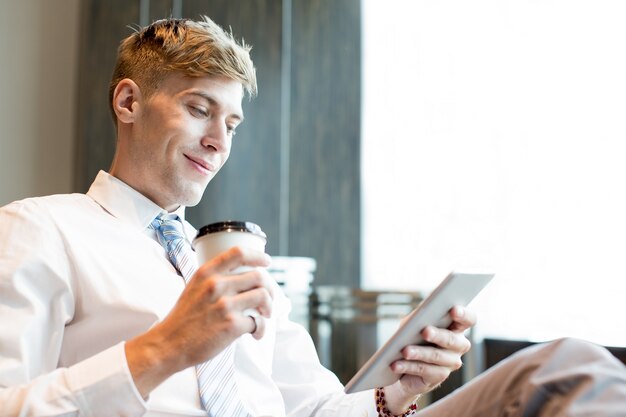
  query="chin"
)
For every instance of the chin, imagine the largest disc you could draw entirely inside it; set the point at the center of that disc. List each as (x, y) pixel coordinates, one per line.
(192, 197)
(186, 193)
(192, 203)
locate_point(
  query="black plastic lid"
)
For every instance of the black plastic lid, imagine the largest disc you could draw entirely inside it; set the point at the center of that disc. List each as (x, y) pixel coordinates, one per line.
(231, 226)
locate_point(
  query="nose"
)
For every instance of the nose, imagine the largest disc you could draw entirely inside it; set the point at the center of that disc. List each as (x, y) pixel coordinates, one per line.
(216, 135)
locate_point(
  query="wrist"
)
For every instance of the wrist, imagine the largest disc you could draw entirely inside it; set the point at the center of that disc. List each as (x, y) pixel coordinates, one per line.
(149, 363)
(395, 407)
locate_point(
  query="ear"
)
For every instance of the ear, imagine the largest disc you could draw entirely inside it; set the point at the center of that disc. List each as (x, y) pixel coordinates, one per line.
(126, 99)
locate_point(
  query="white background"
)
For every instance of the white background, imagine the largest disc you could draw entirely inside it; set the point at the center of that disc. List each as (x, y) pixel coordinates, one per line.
(494, 137)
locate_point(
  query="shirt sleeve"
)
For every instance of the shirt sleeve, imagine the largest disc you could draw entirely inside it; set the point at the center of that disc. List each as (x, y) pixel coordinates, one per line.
(307, 387)
(36, 302)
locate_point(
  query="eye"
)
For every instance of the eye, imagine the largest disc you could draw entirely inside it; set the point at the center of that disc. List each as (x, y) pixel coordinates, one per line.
(198, 111)
(231, 130)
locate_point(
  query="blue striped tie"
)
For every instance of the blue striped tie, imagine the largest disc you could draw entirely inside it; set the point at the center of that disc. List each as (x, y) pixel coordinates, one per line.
(216, 383)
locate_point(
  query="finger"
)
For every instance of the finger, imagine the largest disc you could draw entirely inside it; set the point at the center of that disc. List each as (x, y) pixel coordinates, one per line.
(249, 280)
(429, 373)
(257, 299)
(249, 323)
(259, 327)
(265, 281)
(446, 339)
(433, 356)
(256, 323)
(462, 319)
(216, 286)
(236, 257)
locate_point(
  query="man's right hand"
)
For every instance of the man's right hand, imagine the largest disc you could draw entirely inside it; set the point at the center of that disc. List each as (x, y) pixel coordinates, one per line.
(209, 315)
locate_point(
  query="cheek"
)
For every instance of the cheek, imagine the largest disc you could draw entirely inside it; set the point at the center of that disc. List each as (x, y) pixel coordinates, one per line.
(226, 155)
(227, 152)
(192, 128)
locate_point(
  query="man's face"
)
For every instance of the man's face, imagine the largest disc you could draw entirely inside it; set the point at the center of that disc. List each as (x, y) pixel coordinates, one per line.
(182, 137)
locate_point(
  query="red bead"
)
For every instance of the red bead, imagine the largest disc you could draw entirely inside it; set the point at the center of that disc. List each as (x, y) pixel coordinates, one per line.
(383, 411)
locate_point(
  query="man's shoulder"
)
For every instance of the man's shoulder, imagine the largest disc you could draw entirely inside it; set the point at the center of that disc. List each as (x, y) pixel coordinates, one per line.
(46, 208)
(44, 203)
(40, 222)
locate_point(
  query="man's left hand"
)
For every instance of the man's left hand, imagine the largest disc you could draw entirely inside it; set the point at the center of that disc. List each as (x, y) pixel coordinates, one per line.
(424, 368)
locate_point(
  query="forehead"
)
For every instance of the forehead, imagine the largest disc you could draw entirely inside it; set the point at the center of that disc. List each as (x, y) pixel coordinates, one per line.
(219, 91)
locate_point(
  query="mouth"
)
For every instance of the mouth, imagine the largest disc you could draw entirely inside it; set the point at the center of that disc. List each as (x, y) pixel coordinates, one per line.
(200, 164)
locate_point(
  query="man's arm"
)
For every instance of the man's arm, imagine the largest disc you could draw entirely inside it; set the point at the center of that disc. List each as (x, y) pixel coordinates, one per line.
(37, 290)
(310, 389)
(36, 302)
(208, 316)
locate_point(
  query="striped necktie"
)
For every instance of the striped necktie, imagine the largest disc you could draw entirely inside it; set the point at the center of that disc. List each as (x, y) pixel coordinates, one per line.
(216, 382)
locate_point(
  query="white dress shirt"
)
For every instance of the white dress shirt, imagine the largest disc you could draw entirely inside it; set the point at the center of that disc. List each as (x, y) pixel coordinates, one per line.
(81, 274)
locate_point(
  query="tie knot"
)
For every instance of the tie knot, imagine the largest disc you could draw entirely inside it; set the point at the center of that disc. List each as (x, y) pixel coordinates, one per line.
(170, 233)
(169, 227)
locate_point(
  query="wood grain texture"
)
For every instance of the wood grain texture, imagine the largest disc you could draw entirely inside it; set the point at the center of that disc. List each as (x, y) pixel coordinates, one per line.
(160, 9)
(103, 26)
(325, 138)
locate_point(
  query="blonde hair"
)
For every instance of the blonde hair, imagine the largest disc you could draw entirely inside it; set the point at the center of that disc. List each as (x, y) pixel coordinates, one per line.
(193, 48)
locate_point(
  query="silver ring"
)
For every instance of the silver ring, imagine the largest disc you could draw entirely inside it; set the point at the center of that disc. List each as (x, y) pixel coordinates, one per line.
(255, 325)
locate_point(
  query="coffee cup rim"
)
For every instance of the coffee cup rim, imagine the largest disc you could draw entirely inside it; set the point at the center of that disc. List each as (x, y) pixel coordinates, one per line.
(231, 226)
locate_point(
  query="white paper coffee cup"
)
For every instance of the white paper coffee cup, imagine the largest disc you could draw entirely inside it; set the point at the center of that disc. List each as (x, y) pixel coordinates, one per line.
(216, 238)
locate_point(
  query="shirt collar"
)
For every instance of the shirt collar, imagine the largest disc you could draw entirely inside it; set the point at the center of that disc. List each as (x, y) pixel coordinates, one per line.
(126, 203)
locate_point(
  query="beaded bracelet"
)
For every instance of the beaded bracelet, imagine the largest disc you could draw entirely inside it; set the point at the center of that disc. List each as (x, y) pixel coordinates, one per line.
(381, 406)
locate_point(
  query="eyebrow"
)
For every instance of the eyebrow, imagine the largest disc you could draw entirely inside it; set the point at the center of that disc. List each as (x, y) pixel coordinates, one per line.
(214, 102)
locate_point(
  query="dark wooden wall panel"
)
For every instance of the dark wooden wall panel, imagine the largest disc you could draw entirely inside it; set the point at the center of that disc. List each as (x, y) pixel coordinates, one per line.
(324, 218)
(104, 24)
(159, 9)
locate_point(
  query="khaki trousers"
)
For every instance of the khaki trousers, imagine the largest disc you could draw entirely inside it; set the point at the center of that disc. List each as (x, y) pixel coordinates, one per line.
(568, 377)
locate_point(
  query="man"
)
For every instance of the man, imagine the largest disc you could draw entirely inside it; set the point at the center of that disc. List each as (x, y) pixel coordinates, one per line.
(97, 320)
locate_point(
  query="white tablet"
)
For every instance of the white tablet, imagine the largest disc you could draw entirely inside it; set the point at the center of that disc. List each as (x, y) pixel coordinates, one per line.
(458, 288)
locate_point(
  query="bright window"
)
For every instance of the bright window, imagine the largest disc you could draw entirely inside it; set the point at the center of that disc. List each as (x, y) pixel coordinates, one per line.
(494, 137)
